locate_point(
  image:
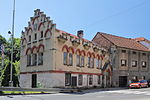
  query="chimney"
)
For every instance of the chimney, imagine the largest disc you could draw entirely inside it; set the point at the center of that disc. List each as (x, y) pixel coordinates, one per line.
(80, 33)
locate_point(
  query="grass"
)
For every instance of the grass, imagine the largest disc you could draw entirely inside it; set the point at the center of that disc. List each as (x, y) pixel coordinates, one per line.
(22, 92)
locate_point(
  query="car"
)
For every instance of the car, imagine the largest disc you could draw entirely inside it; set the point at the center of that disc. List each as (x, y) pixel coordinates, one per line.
(148, 82)
(138, 84)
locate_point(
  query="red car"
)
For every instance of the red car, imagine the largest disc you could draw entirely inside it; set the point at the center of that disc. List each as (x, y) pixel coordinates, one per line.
(139, 84)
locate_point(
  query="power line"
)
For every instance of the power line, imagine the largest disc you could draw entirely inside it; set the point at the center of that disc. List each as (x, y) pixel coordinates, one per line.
(119, 13)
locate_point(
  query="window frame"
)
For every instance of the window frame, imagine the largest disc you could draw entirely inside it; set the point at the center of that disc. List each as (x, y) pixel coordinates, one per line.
(125, 62)
(134, 63)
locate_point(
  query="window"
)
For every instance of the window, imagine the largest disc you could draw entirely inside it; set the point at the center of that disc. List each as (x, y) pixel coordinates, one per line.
(29, 38)
(99, 79)
(92, 63)
(67, 79)
(82, 61)
(123, 62)
(40, 58)
(65, 58)
(34, 59)
(97, 63)
(134, 52)
(123, 51)
(90, 79)
(100, 63)
(89, 62)
(41, 34)
(134, 63)
(70, 59)
(144, 54)
(35, 36)
(29, 60)
(78, 60)
(35, 27)
(80, 79)
(144, 64)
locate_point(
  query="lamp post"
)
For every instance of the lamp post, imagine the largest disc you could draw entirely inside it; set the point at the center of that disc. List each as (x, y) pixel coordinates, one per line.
(12, 42)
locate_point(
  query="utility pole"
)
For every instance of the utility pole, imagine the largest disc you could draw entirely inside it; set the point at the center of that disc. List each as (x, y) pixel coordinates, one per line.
(12, 43)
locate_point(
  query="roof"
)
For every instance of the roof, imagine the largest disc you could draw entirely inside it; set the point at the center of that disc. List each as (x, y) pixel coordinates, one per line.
(61, 31)
(124, 42)
(141, 39)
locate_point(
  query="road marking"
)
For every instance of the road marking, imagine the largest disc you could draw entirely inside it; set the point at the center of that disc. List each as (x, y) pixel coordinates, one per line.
(128, 92)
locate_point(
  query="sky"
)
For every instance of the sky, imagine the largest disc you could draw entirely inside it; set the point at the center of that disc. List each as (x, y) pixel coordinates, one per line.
(125, 18)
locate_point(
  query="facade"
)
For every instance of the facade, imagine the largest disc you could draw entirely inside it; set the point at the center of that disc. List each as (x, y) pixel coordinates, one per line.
(53, 58)
(129, 58)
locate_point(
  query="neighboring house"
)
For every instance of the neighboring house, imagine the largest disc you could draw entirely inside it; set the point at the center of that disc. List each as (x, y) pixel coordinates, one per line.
(129, 58)
(143, 41)
(53, 58)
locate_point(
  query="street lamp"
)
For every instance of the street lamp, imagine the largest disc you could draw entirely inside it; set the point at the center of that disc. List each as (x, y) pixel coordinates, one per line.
(11, 66)
(12, 42)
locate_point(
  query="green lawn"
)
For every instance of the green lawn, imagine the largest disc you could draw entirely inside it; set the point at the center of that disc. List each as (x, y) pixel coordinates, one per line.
(21, 92)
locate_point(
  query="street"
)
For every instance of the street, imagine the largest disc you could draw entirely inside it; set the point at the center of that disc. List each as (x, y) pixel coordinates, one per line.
(121, 94)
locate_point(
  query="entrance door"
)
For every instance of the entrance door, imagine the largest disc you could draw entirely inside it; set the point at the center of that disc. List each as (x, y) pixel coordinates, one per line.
(34, 80)
(122, 81)
(74, 81)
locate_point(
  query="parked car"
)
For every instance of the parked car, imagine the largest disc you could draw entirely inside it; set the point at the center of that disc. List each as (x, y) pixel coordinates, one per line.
(138, 84)
(148, 82)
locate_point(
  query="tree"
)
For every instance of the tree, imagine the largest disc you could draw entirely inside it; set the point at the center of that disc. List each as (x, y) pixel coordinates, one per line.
(16, 63)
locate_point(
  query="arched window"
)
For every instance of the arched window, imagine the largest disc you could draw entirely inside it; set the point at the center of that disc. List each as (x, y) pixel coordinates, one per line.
(40, 54)
(82, 58)
(34, 55)
(89, 59)
(71, 52)
(29, 56)
(65, 54)
(78, 53)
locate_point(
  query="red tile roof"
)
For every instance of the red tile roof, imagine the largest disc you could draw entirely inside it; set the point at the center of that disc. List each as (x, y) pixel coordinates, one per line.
(61, 31)
(124, 42)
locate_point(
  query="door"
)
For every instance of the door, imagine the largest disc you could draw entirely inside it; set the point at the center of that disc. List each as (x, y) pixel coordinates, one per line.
(122, 81)
(34, 80)
(74, 81)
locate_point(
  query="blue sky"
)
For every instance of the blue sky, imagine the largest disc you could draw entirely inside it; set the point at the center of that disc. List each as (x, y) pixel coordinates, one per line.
(126, 18)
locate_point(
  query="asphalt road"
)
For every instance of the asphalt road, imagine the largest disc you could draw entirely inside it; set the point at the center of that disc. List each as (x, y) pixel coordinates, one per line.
(121, 94)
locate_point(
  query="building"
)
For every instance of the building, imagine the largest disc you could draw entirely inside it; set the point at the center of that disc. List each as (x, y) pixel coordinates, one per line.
(54, 58)
(129, 58)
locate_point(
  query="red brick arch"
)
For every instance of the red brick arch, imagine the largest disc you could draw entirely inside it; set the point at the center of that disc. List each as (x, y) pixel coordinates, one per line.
(28, 49)
(89, 54)
(78, 51)
(29, 30)
(34, 19)
(48, 30)
(41, 46)
(34, 47)
(98, 56)
(93, 54)
(71, 49)
(83, 52)
(41, 24)
(65, 47)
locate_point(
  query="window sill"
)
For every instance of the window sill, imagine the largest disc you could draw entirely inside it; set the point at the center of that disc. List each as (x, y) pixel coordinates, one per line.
(41, 39)
(34, 41)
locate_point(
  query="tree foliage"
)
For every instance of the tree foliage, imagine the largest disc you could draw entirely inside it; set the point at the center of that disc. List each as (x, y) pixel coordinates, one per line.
(5, 73)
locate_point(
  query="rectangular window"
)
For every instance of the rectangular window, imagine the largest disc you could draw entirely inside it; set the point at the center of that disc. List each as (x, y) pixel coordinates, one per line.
(134, 52)
(35, 36)
(41, 34)
(90, 79)
(29, 38)
(123, 51)
(65, 58)
(34, 59)
(100, 63)
(89, 62)
(92, 63)
(29, 60)
(99, 79)
(70, 59)
(82, 61)
(67, 79)
(123, 62)
(40, 58)
(144, 54)
(134, 63)
(97, 63)
(78, 60)
(80, 79)
(144, 64)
